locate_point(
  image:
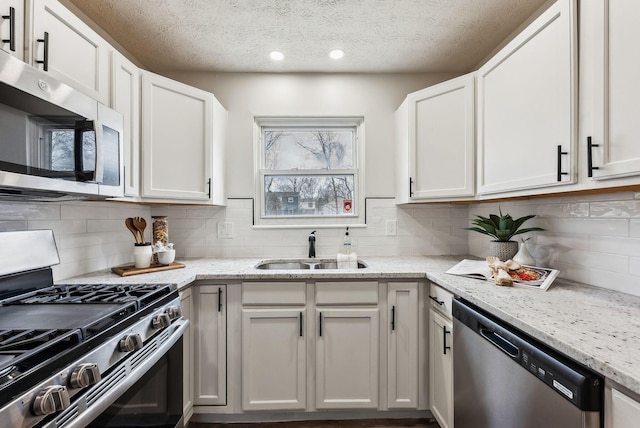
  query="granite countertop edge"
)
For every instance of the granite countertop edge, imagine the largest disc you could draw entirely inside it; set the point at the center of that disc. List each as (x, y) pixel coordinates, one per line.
(597, 327)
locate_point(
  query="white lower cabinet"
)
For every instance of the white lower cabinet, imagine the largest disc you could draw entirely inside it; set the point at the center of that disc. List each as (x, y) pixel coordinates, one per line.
(347, 358)
(620, 410)
(186, 301)
(273, 359)
(210, 334)
(441, 357)
(402, 348)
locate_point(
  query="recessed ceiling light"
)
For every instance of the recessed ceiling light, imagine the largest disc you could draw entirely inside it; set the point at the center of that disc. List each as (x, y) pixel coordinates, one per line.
(336, 54)
(276, 55)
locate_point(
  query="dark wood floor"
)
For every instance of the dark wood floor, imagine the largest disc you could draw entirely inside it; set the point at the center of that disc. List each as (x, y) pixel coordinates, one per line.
(364, 423)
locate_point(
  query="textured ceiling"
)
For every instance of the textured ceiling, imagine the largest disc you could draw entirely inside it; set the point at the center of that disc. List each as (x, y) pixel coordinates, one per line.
(377, 35)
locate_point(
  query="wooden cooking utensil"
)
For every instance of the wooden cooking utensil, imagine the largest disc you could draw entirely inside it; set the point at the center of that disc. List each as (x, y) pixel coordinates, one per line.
(129, 223)
(140, 224)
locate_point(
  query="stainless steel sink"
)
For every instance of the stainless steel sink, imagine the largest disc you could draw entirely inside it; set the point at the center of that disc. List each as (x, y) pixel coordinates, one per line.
(283, 265)
(334, 265)
(303, 264)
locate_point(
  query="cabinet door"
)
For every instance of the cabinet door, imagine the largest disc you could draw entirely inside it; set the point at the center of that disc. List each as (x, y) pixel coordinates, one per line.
(347, 359)
(621, 411)
(186, 301)
(12, 27)
(176, 139)
(527, 107)
(615, 129)
(273, 359)
(70, 50)
(441, 369)
(125, 98)
(403, 346)
(442, 140)
(210, 346)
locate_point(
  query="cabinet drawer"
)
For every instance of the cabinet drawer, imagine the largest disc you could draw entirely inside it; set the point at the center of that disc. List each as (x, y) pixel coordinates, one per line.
(347, 293)
(274, 293)
(440, 300)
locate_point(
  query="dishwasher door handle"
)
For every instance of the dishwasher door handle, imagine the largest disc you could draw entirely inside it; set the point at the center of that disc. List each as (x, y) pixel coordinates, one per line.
(500, 342)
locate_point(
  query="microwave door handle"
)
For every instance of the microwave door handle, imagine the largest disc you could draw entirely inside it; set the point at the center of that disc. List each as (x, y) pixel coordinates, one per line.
(99, 173)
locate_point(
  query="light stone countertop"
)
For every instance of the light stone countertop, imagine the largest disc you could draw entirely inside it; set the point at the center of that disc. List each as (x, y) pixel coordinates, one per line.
(597, 327)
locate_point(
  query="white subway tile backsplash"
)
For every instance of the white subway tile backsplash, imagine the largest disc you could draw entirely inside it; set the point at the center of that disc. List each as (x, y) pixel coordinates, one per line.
(615, 209)
(589, 238)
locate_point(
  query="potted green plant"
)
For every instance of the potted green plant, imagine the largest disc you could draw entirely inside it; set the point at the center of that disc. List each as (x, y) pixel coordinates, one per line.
(502, 228)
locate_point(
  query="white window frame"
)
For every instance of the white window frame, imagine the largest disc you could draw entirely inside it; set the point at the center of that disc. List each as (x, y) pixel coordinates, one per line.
(357, 219)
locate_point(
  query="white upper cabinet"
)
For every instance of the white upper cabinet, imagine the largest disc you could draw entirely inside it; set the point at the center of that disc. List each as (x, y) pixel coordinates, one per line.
(183, 132)
(12, 26)
(527, 97)
(610, 42)
(125, 98)
(69, 49)
(435, 135)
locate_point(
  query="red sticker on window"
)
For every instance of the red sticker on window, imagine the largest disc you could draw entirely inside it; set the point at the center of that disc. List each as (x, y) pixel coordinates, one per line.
(347, 204)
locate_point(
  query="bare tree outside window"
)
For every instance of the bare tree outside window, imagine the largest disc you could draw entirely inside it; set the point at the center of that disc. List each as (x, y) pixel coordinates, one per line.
(309, 171)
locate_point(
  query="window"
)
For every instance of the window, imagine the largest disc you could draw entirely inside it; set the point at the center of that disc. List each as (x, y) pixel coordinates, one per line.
(310, 170)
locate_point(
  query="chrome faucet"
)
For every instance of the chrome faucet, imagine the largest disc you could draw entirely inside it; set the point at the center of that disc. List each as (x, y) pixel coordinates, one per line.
(312, 245)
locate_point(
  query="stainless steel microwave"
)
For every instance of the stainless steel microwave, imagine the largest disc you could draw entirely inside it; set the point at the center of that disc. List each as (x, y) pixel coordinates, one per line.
(55, 142)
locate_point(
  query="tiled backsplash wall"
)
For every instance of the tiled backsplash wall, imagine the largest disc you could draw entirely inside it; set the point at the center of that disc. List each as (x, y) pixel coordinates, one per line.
(89, 235)
(421, 230)
(593, 239)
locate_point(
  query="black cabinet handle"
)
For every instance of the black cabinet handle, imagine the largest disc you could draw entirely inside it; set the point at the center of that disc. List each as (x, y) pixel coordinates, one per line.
(560, 153)
(12, 29)
(209, 191)
(590, 166)
(300, 324)
(410, 187)
(320, 325)
(220, 299)
(45, 57)
(393, 318)
(435, 299)
(444, 339)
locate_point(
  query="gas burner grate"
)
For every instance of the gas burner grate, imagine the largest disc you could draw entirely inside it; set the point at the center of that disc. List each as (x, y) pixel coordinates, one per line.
(141, 294)
(23, 340)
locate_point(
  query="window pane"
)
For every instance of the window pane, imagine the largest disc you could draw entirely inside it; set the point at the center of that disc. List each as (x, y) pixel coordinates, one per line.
(305, 148)
(308, 195)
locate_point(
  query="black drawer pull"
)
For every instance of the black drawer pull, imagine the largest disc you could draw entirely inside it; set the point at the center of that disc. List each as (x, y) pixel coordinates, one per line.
(435, 299)
(320, 325)
(220, 299)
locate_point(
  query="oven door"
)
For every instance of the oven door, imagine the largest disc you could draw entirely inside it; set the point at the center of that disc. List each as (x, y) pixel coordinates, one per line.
(153, 401)
(144, 391)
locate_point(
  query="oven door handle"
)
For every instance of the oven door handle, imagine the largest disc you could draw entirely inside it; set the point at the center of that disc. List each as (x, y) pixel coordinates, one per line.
(111, 394)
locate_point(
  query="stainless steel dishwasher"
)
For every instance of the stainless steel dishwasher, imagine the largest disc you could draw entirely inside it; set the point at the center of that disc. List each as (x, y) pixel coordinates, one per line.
(505, 379)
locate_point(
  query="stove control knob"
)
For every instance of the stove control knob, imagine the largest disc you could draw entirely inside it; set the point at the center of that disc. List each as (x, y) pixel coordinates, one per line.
(130, 342)
(161, 321)
(174, 312)
(85, 375)
(51, 399)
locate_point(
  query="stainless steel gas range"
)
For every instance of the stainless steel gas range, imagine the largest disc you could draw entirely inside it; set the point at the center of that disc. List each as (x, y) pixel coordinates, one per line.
(84, 355)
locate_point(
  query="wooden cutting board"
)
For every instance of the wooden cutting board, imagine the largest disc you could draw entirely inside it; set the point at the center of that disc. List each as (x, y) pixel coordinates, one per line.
(132, 270)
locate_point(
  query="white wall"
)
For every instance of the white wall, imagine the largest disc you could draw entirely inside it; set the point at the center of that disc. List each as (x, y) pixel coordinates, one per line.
(374, 96)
